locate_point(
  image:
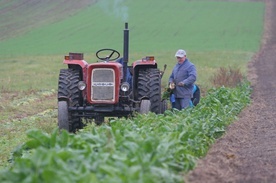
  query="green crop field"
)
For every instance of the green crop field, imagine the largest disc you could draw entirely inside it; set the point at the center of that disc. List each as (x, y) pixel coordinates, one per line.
(147, 148)
(156, 26)
(213, 33)
(34, 37)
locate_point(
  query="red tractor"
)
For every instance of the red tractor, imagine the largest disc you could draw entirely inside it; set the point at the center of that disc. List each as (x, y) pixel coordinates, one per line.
(109, 88)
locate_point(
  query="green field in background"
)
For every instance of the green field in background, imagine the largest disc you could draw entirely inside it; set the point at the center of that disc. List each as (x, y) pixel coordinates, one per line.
(155, 26)
(41, 72)
(214, 34)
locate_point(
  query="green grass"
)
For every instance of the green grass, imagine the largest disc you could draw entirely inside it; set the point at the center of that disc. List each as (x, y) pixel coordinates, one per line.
(17, 17)
(41, 72)
(156, 26)
(30, 73)
(21, 111)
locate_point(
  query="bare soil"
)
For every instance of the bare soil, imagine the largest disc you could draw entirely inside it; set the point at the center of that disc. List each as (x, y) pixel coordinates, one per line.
(247, 152)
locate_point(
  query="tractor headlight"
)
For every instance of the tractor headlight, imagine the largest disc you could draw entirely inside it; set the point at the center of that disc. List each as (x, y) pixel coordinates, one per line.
(81, 85)
(125, 87)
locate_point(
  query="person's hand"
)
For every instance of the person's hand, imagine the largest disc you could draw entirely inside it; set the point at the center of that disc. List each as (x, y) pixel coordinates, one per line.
(172, 85)
(180, 84)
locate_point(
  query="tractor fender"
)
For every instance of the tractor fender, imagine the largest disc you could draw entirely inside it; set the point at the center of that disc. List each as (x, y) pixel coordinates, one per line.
(144, 63)
(75, 59)
(139, 64)
(82, 63)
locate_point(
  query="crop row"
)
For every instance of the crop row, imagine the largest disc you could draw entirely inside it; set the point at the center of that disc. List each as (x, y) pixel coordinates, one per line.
(147, 148)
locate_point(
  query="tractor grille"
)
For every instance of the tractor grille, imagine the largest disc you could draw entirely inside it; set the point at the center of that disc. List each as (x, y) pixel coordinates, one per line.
(103, 84)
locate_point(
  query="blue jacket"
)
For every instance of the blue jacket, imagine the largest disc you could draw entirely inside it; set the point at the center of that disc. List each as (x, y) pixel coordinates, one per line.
(186, 73)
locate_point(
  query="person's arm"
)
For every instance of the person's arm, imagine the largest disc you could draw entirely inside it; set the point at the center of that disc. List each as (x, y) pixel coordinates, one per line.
(192, 76)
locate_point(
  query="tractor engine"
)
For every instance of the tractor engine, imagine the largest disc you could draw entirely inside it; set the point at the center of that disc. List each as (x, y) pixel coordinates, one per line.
(104, 80)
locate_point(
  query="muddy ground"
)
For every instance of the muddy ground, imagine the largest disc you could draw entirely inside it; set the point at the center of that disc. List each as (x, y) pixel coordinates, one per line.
(247, 152)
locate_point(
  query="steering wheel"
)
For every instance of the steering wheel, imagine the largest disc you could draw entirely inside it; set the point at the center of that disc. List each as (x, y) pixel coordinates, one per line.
(107, 57)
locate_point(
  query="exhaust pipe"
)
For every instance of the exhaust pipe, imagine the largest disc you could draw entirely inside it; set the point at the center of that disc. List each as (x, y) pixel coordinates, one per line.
(126, 42)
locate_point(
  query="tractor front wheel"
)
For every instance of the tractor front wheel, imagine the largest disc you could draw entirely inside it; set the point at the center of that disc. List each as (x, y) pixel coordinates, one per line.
(63, 122)
(145, 106)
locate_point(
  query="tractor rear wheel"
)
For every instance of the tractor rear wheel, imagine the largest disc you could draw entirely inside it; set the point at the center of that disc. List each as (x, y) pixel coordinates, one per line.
(149, 87)
(69, 93)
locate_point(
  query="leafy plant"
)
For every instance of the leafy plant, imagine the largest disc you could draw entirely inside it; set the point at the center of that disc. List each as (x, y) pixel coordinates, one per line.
(147, 148)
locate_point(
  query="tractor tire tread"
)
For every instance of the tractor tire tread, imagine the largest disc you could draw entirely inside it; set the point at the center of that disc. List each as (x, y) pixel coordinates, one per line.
(149, 86)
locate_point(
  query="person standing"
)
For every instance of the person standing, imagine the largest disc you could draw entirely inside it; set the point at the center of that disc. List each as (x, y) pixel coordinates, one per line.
(182, 80)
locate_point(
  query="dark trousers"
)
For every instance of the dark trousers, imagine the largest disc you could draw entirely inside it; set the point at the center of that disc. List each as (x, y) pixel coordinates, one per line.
(182, 103)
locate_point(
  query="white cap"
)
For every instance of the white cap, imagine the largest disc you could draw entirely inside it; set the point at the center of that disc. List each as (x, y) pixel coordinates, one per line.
(180, 53)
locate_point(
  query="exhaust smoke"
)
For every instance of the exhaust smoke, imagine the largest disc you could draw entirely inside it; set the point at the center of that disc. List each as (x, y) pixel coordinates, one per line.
(116, 8)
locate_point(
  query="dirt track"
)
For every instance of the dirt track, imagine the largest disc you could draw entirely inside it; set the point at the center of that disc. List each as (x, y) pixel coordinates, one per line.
(247, 152)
